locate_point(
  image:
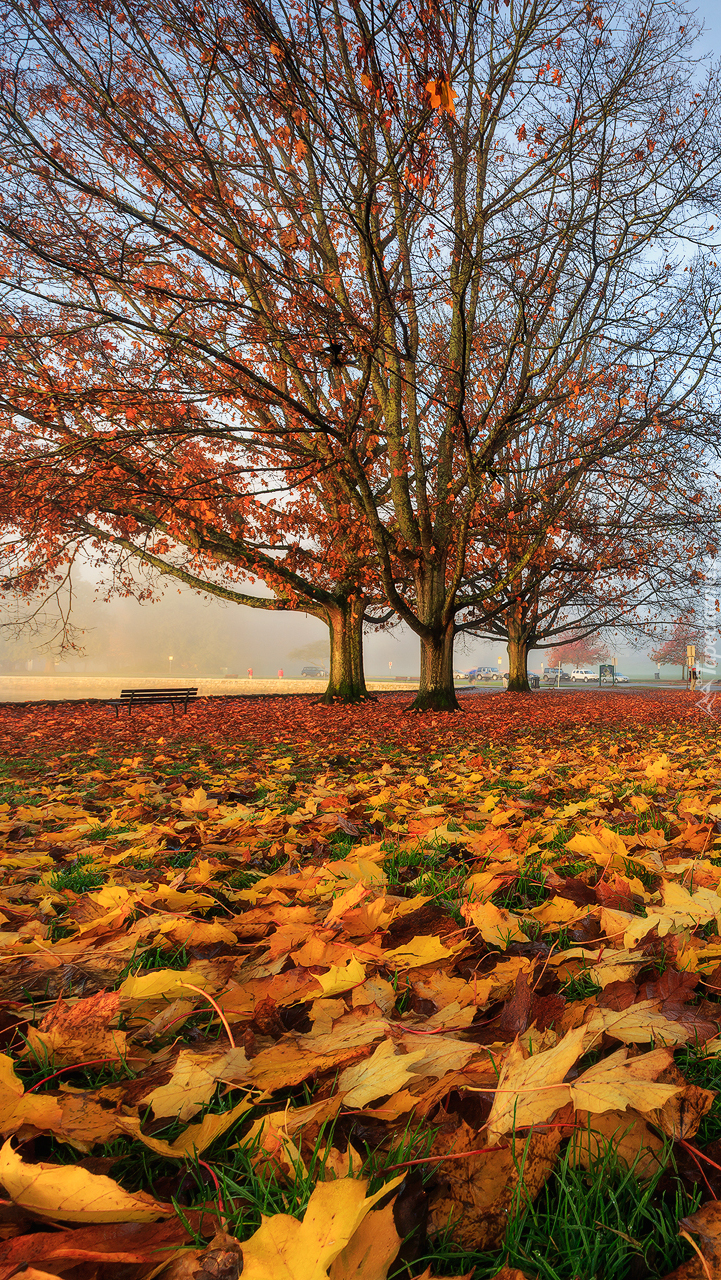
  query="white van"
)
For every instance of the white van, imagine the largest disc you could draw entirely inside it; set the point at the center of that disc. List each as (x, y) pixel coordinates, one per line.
(582, 673)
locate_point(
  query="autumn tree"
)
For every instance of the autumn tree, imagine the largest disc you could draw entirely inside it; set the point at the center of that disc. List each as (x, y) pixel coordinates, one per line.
(588, 651)
(375, 242)
(672, 651)
(630, 543)
(130, 491)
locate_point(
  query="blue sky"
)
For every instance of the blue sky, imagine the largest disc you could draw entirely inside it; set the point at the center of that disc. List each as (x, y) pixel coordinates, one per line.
(709, 13)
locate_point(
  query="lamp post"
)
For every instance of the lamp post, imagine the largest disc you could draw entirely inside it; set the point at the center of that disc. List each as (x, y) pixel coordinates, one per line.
(170, 664)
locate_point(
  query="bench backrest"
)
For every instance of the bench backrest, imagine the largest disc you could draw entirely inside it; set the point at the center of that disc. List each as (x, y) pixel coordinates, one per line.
(139, 695)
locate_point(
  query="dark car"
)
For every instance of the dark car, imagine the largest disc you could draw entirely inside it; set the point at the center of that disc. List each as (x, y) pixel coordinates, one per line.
(312, 670)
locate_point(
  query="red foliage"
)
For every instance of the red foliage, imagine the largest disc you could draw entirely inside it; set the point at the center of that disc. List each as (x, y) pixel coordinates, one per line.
(587, 652)
(26, 729)
(673, 651)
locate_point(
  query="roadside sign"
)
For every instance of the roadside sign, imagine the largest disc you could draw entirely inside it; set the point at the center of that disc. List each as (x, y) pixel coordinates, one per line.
(607, 671)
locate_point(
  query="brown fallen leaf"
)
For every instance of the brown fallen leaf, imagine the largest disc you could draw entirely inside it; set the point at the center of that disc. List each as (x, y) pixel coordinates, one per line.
(705, 1262)
(624, 1133)
(71, 1033)
(467, 1275)
(221, 1260)
(515, 1015)
(682, 1114)
(617, 995)
(129, 1242)
(476, 1195)
(32, 1273)
(511, 1273)
(672, 987)
(615, 893)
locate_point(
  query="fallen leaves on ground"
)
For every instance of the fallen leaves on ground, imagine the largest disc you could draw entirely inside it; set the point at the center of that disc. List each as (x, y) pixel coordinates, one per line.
(262, 965)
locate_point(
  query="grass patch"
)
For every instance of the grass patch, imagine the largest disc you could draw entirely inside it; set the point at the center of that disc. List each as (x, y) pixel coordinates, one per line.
(81, 877)
(156, 958)
(432, 871)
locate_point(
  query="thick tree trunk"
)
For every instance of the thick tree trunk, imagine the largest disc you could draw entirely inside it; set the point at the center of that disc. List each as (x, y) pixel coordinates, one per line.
(517, 657)
(436, 691)
(347, 678)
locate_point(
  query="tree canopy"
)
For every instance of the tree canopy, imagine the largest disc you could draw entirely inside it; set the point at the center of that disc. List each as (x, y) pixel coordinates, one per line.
(399, 247)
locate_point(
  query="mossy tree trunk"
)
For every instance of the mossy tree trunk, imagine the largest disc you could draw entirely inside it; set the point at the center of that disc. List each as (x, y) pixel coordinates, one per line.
(518, 643)
(436, 691)
(347, 677)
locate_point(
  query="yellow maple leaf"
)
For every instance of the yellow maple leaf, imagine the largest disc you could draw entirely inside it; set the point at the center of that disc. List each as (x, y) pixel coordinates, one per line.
(495, 924)
(341, 977)
(618, 1082)
(639, 1024)
(70, 1193)
(284, 1247)
(530, 1089)
(194, 1140)
(384, 1072)
(371, 1249)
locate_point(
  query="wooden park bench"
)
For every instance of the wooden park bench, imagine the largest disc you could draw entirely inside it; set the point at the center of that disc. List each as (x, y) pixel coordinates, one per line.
(152, 697)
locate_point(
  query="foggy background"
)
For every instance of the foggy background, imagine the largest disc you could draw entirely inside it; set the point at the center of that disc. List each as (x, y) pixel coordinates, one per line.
(207, 637)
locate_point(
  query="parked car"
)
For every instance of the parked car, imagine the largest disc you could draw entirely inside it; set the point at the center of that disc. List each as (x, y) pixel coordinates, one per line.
(481, 673)
(312, 670)
(583, 675)
(552, 674)
(618, 678)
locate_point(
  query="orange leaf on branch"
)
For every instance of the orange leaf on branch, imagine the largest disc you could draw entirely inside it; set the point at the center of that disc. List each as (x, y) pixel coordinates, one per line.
(441, 95)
